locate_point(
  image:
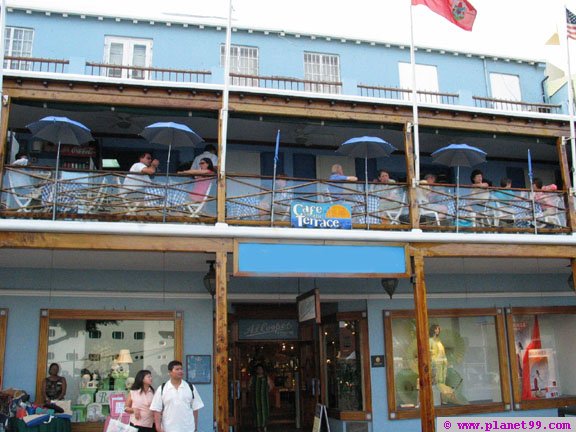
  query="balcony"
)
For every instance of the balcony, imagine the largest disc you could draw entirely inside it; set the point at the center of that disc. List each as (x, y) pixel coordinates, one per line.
(509, 105)
(286, 83)
(406, 94)
(102, 196)
(147, 73)
(249, 202)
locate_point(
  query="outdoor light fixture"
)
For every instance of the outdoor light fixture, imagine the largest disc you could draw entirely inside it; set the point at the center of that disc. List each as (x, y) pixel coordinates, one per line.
(210, 278)
(389, 285)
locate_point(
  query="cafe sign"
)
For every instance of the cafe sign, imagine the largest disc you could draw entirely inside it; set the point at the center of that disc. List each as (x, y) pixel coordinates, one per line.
(267, 329)
(326, 216)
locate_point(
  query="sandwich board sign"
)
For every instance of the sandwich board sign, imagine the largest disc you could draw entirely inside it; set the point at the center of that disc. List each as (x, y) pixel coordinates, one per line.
(321, 419)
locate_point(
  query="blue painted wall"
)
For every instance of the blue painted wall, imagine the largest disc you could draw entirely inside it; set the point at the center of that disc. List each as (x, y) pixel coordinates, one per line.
(190, 47)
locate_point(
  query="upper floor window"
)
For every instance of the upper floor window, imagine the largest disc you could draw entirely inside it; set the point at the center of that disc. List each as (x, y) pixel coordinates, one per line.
(505, 87)
(426, 82)
(18, 43)
(131, 53)
(243, 61)
(323, 68)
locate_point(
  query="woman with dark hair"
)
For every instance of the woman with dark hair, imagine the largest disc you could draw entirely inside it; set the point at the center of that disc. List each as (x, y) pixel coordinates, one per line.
(54, 386)
(203, 177)
(139, 400)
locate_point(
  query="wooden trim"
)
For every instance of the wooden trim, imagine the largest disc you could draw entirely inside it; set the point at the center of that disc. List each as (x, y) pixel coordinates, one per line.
(451, 411)
(389, 354)
(544, 310)
(414, 210)
(545, 403)
(567, 181)
(3, 325)
(366, 367)
(494, 250)
(424, 362)
(221, 346)
(85, 314)
(573, 269)
(516, 395)
(46, 240)
(349, 415)
(446, 313)
(503, 358)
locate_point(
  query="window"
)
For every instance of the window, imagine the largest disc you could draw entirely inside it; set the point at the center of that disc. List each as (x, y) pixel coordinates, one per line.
(346, 362)
(426, 81)
(507, 88)
(243, 61)
(94, 368)
(543, 356)
(130, 53)
(323, 68)
(18, 43)
(467, 356)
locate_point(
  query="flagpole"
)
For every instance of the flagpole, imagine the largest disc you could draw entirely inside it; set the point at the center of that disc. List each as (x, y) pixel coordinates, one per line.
(571, 115)
(416, 137)
(274, 178)
(2, 47)
(225, 97)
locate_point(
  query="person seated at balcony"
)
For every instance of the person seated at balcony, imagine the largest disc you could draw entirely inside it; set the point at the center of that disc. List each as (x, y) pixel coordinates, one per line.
(477, 179)
(143, 169)
(337, 174)
(282, 198)
(21, 159)
(384, 177)
(203, 178)
(429, 199)
(210, 153)
(543, 196)
(387, 193)
(504, 193)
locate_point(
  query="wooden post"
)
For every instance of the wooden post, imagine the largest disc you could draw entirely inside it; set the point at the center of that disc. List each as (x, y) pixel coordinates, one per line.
(221, 347)
(3, 135)
(422, 326)
(221, 182)
(410, 173)
(573, 268)
(567, 181)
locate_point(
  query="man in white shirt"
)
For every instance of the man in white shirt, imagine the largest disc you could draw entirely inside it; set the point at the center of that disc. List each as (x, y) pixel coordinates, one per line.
(176, 403)
(146, 165)
(210, 153)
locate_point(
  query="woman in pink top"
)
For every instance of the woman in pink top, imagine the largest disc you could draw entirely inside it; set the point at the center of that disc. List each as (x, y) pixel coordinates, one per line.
(202, 184)
(139, 400)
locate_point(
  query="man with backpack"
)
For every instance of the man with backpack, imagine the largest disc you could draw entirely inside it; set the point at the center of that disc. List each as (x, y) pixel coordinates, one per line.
(176, 403)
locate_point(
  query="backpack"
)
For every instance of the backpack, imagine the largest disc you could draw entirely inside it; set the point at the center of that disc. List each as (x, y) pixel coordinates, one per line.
(162, 390)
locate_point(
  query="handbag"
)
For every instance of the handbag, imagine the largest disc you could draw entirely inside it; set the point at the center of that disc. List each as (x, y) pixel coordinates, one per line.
(117, 426)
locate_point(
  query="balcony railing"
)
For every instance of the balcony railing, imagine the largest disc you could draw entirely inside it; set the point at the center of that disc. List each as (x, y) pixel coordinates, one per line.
(509, 105)
(103, 196)
(36, 64)
(249, 202)
(148, 73)
(406, 94)
(286, 83)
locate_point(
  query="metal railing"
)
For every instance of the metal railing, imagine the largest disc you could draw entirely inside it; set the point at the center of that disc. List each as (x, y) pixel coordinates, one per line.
(286, 83)
(104, 196)
(510, 105)
(406, 94)
(148, 73)
(36, 64)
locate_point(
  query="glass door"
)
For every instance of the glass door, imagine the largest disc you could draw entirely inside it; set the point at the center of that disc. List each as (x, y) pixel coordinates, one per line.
(310, 385)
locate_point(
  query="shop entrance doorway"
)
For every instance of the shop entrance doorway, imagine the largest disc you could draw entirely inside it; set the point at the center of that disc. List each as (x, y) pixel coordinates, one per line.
(291, 369)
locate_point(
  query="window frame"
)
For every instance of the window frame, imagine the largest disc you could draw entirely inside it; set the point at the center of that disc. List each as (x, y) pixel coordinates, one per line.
(520, 404)
(93, 314)
(499, 319)
(128, 44)
(405, 81)
(3, 325)
(366, 413)
(517, 81)
(335, 88)
(249, 82)
(9, 48)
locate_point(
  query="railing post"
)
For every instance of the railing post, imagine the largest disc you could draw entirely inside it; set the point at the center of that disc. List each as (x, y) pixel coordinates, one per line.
(412, 183)
(4, 112)
(566, 180)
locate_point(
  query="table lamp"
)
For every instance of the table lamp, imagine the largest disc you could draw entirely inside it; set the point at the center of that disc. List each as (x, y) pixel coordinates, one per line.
(124, 359)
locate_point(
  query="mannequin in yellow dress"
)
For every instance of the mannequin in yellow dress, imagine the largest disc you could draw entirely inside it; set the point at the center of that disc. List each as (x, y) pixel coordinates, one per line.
(440, 367)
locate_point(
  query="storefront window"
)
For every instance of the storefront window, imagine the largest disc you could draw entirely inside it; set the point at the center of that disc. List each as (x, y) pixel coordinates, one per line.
(464, 356)
(543, 356)
(100, 356)
(343, 344)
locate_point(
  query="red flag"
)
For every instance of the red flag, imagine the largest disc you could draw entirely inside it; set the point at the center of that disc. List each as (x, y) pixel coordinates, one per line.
(535, 343)
(459, 12)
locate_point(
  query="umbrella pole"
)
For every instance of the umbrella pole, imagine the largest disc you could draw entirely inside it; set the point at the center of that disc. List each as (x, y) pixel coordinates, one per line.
(457, 196)
(166, 185)
(366, 191)
(55, 188)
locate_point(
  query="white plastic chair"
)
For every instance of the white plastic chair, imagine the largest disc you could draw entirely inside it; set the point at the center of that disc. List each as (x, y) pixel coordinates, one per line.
(23, 189)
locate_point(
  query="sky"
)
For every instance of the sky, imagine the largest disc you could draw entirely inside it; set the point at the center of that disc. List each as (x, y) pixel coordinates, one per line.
(505, 28)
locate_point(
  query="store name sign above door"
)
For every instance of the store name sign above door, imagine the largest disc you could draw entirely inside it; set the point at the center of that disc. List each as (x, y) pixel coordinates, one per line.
(320, 260)
(271, 329)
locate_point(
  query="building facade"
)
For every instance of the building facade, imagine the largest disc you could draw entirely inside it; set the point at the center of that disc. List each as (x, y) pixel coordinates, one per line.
(444, 297)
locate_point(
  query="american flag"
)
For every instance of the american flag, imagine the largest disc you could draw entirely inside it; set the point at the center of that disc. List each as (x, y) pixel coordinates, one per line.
(571, 24)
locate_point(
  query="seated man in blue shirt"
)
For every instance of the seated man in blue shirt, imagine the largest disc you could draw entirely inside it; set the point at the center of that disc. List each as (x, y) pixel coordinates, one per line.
(337, 174)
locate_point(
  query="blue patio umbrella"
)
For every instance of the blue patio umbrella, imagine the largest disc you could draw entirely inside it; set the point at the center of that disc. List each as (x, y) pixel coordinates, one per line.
(457, 155)
(170, 134)
(366, 147)
(59, 130)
